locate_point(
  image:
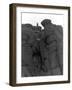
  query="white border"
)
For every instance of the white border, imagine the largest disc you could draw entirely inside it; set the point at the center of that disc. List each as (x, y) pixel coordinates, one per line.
(63, 77)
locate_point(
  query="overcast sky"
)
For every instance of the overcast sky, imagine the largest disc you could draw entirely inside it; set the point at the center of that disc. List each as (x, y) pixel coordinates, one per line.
(34, 18)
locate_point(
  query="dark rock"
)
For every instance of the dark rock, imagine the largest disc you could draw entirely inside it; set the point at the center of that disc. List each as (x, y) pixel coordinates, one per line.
(42, 50)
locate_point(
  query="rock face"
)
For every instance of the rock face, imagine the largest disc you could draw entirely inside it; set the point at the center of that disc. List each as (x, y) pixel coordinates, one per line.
(42, 49)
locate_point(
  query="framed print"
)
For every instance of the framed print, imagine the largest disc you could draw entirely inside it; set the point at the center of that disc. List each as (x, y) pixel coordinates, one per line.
(39, 44)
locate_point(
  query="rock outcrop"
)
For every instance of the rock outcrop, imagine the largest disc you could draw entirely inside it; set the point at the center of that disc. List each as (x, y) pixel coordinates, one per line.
(42, 49)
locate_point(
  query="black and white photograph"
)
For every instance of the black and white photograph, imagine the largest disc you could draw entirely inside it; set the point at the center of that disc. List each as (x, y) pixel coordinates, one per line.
(41, 44)
(42, 49)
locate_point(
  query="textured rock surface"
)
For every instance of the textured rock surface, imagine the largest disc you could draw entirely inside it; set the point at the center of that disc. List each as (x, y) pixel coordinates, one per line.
(42, 50)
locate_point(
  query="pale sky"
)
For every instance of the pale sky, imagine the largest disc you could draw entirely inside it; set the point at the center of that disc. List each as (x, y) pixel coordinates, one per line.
(34, 18)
